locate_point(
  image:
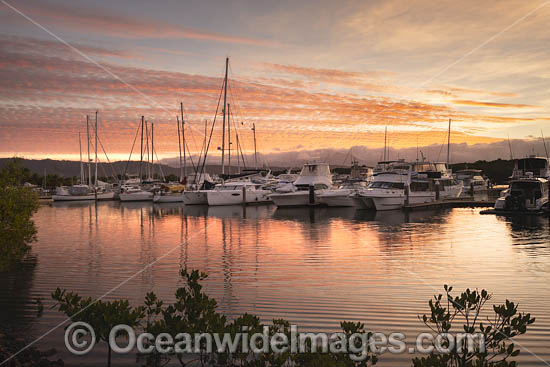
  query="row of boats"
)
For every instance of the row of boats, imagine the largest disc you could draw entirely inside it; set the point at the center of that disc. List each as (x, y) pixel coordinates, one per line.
(389, 186)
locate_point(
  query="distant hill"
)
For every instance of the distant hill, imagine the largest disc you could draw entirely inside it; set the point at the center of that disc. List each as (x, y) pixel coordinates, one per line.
(72, 168)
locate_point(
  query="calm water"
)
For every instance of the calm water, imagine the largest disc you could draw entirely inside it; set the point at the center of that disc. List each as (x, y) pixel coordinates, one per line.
(312, 267)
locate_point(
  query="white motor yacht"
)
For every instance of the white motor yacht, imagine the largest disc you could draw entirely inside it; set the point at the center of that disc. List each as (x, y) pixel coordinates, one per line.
(342, 196)
(524, 194)
(236, 193)
(314, 179)
(423, 181)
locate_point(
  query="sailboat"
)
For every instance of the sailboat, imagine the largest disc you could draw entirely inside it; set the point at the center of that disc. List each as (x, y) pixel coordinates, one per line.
(82, 191)
(135, 190)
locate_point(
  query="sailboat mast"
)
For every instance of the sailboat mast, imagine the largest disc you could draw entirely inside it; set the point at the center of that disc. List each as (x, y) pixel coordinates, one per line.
(385, 142)
(238, 158)
(255, 153)
(183, 137)
(82, 179)
(449, 144)
(179, 146)
(88, 136)
(229, 137)
(95, 150)
(224, 112)
(152, 149)
(148, 167)
(141, 150)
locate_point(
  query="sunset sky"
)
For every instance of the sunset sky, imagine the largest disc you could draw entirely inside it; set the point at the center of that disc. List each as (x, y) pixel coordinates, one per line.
(309, 74)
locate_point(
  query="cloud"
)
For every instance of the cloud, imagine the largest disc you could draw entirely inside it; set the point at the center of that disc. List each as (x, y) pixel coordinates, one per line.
(492, 104)
(46, 95)
(107, 23)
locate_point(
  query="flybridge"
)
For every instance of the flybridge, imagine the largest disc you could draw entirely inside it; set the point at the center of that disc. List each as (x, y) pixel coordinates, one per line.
(531, 166)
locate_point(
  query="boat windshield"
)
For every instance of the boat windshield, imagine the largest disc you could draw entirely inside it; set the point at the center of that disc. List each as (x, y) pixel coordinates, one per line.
(315, 170)
(387, 185)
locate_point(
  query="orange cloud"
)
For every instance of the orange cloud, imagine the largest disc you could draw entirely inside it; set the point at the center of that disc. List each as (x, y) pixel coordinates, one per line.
(47, 94)
(492, 104)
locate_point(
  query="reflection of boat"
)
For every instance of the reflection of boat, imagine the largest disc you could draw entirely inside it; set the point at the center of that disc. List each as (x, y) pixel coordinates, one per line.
(313, 213)
(196, 210)
(239, 211)
(235, 193)
(314, 176)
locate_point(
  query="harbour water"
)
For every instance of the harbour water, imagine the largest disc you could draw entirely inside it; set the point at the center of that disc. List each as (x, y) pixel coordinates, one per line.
(313, 267)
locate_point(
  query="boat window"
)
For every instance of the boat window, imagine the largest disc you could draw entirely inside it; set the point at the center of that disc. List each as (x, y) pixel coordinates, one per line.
(398, 185)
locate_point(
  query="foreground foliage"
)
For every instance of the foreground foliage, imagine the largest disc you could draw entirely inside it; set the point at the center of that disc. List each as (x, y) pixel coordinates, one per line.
(17, 206)
(464, 313)
(193, 311)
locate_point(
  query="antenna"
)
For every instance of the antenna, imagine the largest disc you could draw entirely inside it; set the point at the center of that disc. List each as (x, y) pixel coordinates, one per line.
(449, 144)
(510, 146)
(544, 142)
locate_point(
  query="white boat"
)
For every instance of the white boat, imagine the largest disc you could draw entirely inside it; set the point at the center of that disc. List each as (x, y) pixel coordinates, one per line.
(472, 180)
(197, 197)
(80, 193)
(422, 180)
(342, 196)
(524, 194)
(315, 177)
(172, 197)
(528, 188)
(235, 193)
(135, 194)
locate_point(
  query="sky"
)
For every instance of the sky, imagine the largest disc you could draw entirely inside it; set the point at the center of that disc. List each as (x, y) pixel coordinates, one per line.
(309, 75)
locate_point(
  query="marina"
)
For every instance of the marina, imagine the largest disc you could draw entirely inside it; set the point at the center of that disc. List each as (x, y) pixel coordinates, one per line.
(274, 184)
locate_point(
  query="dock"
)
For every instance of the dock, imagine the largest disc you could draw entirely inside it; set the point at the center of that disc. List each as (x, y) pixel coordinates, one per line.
(451, 203)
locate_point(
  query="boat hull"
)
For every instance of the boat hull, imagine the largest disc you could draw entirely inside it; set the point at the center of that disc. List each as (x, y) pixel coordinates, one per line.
(195, 197)
(73, 197)
(294, 199)
(235, 197)
(176, 198)
(136, 196)
(342, 200)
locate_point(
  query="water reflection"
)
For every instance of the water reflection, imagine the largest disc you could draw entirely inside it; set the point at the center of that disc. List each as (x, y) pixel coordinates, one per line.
(313, 266)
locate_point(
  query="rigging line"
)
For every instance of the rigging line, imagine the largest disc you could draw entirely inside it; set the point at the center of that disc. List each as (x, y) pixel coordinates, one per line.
(187, 120)
(190, 156)
(239, 145)
(211, 132)
(441, 148)
(235, 100)
(158, 161)
(115, 173)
